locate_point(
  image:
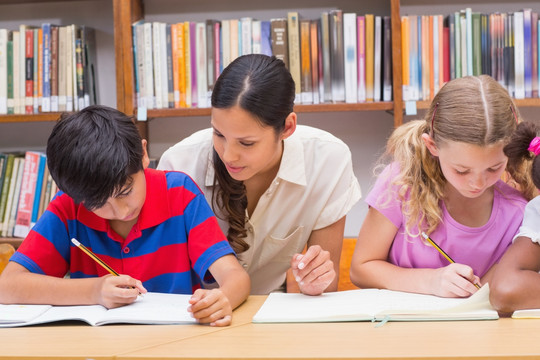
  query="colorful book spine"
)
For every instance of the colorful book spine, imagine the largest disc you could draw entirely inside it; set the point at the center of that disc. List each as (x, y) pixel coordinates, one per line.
(361, 46)
(27, 194)
(350, 57)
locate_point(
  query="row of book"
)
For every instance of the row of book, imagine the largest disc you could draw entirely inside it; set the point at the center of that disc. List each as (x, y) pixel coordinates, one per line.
(47, 69)
(26, 188)
(437, 48)
(339, 57)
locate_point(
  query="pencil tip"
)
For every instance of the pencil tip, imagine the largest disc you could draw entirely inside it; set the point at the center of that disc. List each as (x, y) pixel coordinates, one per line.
(74, 241)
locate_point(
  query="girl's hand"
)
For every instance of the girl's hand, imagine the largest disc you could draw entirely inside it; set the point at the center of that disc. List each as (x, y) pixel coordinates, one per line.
(454, 280)
(313, 271)
(211, 307)
(114, 291)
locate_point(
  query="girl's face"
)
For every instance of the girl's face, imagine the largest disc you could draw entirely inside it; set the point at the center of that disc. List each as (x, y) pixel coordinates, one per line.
(470, 169)
(246, 147)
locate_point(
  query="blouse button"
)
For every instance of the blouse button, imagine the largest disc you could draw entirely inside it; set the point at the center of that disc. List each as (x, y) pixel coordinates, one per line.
(126, 250)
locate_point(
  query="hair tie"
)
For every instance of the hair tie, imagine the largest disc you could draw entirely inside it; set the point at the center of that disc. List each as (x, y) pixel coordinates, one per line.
(535, 145)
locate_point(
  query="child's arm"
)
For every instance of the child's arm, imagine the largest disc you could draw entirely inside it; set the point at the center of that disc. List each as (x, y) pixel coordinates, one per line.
(516, 281)
(316, 270)
(20, 286)
(371, 269)
(215, 306)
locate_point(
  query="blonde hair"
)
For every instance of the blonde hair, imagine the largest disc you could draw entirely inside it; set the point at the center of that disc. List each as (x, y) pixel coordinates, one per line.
(474, 110)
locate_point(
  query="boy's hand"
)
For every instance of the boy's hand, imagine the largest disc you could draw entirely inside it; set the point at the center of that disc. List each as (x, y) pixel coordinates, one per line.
(211, 307)
(314, 271)
(115, 291)
(455, 280)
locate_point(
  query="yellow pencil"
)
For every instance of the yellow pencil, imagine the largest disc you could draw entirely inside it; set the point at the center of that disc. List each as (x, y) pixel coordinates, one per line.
(93, 256)
(428, 239)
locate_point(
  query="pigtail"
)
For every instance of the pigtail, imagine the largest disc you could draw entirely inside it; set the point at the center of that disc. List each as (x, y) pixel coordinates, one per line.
(524, 164)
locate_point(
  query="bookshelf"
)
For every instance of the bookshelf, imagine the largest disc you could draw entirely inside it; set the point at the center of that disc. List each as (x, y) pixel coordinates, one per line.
(113, 19)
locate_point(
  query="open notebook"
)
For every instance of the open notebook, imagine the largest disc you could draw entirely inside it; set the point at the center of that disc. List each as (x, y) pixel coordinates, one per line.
(152, 308)
(373, 305)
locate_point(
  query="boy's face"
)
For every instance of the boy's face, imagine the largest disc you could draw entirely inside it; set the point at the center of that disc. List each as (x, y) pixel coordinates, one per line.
(126, 205)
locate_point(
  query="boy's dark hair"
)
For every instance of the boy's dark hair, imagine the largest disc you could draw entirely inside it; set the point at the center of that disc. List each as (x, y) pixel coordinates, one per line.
(92, 153)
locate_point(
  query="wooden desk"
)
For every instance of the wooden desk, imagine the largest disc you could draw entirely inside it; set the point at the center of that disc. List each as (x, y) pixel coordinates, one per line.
(481, 340)
(77, 340)
(490, 339)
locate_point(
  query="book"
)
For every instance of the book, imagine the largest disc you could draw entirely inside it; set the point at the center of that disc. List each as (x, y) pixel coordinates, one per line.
(526, 314)
(350, 57)
(3, 71)
(279, 40)
(337, 55)
(293, 31)
(373, 305)
(152, 308)
(27, 193)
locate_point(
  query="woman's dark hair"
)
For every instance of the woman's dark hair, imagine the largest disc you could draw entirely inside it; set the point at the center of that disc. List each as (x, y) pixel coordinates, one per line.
(520, 159)
(92, 153)
(262, 86)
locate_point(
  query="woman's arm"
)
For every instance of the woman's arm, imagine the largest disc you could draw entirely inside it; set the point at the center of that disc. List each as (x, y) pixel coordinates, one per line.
(316, 271)
(370, 267)
(516, 282)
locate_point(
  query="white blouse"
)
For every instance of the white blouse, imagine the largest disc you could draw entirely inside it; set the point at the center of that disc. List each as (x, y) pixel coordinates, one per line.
(314, 187)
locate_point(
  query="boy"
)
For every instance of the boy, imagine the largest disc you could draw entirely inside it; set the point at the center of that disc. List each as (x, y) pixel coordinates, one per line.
(153, 226)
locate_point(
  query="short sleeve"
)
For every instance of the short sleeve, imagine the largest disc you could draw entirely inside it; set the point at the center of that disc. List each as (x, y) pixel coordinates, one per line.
(384, 196)
(531, 225)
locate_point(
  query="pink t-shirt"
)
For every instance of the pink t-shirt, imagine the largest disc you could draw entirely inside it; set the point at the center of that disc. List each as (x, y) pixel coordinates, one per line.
(479, 247)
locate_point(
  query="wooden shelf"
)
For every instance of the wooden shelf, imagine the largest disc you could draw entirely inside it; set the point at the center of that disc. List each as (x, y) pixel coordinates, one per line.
(368, 106)
(16, 242)
(53, 116)
(531, 102)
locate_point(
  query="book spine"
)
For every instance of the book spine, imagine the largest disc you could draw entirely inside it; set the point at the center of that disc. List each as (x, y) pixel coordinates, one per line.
(38, 69)
(27, 194)
(29, 71)
(10, 74)
(280, 46)
(534, 42)
(305, 62)
(314, 55)
(46, 99)
(70, 67)
(10, 228)
(527, 52)
(54, 67)
(194, 67)
(361, 48)
(148, 67)
(3, 70)
(370, 39)
(10, 196)
(245, 27)
(163, 65)
(337, 56)
(156, 52)
(187, 62)
(519, 61)
(21, 109)
(172, 85)
(387, 60)
(182, 70)
(38, 188)
(350, 57)
(325, 49)
(202, 67)
(8, 171)
(266, 38)
(293, 31)
(377, 56)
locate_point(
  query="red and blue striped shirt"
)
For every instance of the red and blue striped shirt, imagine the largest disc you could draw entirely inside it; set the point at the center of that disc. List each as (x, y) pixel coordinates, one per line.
(170, 248)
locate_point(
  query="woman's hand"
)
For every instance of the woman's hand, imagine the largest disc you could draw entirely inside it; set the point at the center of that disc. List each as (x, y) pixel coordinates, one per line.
(314, 271)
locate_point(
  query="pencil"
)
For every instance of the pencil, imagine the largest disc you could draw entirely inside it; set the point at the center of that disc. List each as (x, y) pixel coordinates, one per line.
(443, 253)
(93, 256)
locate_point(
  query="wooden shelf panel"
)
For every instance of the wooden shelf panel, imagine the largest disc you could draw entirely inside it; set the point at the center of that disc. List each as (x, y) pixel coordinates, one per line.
(531, 102)
(368, 106)
(53, 116)
(16, 242)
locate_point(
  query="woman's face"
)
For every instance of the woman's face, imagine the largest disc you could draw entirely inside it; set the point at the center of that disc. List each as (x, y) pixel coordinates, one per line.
(246, 147)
